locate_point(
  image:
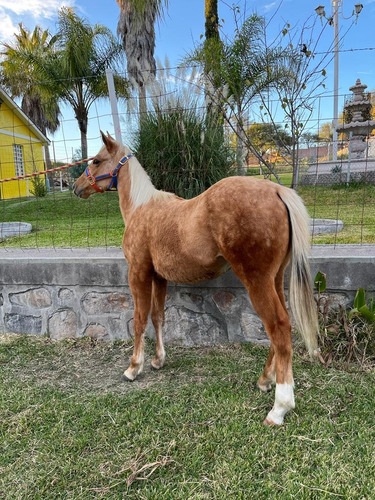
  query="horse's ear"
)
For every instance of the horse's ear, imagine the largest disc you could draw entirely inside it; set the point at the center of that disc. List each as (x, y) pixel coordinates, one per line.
(109, 141)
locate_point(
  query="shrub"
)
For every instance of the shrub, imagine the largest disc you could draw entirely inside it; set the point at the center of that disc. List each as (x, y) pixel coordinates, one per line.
(182, 151)
(346, 338)
(77, 170)
(253, 171)
(345, 335)
(38, 187)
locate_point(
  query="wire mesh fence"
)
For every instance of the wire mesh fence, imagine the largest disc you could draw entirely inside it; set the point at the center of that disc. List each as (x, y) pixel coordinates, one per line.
(41, 211)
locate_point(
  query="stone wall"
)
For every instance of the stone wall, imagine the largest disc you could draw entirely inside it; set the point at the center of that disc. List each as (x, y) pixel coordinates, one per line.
(335, 172)
(331, 179)
(69, 294)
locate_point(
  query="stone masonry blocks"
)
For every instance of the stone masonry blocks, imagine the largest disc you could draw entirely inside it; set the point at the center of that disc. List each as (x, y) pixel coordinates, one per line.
(65, 295)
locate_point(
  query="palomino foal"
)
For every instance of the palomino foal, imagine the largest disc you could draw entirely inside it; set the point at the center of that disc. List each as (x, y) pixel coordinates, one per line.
(251, 225)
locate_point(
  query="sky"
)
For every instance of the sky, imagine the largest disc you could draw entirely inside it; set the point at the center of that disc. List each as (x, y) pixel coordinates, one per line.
(183, 24)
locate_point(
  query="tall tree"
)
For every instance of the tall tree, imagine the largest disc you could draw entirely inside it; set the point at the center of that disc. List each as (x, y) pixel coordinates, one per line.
(83, 54)
(211, 19)
(136, 27)
(212, 52)
(266, 138)
(297, 90)
(247, 68)
(75, 70)
(20, 77)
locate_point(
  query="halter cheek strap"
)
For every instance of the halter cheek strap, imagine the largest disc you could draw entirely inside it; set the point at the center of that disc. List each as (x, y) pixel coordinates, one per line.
(110, 175)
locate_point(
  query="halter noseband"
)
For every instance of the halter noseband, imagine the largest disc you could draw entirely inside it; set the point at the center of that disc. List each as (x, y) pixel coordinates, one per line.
(110, 175)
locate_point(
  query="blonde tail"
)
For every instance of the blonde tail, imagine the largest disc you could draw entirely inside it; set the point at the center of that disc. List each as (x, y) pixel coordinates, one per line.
(301, 298)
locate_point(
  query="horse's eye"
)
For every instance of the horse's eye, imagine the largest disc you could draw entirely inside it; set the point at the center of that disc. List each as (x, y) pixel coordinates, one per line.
(96, 161)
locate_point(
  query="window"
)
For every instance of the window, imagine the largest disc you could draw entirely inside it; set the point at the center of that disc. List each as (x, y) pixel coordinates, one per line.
(18, 159)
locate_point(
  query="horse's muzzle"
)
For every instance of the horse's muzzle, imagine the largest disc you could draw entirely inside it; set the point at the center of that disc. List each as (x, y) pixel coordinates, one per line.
(77, 190)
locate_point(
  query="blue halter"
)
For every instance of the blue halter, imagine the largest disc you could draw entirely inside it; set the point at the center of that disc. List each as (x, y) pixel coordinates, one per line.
(112, 175)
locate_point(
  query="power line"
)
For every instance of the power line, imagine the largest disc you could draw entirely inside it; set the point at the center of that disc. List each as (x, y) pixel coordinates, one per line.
(359, 49)
(196, 66)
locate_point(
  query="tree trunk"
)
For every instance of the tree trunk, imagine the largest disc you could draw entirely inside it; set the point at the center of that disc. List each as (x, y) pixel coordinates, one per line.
(82, 118)
(84, 141)
(142, 105)
(138, 39)
(211, 19)
(240, 148)
(211, 58)
(294, 155)
(47, 157)
(48, 165)
(82, 123)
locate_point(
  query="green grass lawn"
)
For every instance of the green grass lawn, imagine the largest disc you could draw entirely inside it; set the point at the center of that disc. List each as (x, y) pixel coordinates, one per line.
(71, 428)
(354, 205)
(285, 178)
(62, 220)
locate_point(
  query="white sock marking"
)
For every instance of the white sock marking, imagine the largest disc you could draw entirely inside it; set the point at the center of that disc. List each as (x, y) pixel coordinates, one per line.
(284, 401)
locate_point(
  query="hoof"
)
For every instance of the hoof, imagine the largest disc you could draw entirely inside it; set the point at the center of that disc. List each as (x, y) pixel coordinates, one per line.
(128, 376)
(270, 423)
(156, 365)
(264, 387)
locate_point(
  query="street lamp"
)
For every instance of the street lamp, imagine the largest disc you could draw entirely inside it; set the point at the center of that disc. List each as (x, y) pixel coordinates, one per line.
(334, 20)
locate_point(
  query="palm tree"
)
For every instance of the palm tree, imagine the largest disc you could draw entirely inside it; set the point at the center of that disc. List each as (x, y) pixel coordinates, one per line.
(246, 68)
(249, 69)
(20, 77)
(83, 53)
(136, 27)
(74, 71)
(212, 51)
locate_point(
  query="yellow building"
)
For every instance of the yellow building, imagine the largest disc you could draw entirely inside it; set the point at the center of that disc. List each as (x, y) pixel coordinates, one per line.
(21, 148)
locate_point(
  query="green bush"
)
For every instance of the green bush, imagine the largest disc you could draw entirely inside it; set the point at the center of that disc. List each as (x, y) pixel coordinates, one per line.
(346, 338)
(38, 187)
(253, 171)
(346, 335)
(77, 170)
(182, 151)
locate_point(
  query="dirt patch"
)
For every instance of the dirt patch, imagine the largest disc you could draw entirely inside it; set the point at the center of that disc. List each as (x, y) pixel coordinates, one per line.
(98, 367)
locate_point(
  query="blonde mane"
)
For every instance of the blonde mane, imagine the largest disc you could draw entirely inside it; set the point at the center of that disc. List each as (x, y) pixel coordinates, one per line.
(142, 190)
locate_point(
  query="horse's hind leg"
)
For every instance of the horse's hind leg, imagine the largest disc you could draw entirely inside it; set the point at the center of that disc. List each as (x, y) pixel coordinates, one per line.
(159, 290)
(271, 310)
(141, 291)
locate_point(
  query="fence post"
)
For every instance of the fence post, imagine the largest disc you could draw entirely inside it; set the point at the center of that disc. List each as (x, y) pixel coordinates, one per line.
(113, 100)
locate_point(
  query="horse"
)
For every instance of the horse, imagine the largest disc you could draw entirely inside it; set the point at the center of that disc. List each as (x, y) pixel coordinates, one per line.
(253, 226)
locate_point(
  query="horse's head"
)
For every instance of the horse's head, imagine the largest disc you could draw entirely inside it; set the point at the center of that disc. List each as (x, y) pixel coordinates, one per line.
(101, 174)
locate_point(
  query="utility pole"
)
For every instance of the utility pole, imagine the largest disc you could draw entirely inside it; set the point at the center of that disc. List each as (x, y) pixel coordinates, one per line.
(335, 6)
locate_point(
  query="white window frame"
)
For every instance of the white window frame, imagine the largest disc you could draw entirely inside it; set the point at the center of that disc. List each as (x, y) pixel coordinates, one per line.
(19, 165)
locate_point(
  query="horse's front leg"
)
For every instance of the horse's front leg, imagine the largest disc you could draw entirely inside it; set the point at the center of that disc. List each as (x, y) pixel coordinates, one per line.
(268, 376)
(159, 290)
(141, 285)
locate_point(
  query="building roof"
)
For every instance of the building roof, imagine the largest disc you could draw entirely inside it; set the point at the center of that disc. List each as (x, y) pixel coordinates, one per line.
(4, 97)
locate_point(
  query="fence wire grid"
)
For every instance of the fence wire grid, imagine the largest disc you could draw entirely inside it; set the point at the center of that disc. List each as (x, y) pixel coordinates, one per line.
(43, 212)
